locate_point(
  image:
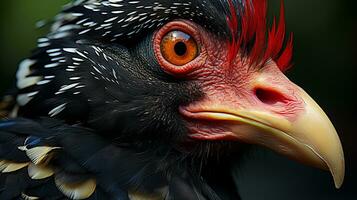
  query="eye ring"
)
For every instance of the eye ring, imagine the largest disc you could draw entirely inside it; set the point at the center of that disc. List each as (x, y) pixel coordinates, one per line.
(179, 48)
(194, 62)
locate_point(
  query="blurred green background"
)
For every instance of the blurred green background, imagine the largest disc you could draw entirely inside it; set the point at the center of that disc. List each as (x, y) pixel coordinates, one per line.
(325, 61)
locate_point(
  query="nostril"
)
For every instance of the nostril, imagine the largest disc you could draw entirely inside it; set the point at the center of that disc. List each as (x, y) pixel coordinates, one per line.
(269, 96)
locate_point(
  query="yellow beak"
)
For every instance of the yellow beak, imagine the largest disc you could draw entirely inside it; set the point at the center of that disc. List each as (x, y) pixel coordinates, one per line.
(311, 138)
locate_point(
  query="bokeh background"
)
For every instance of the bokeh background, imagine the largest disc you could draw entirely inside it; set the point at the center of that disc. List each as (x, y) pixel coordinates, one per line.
(325, 60)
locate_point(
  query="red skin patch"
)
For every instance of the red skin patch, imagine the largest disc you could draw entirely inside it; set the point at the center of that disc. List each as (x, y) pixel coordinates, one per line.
(227, 83)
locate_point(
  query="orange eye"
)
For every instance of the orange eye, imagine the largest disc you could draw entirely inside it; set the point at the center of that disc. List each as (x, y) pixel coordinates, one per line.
(179, 48)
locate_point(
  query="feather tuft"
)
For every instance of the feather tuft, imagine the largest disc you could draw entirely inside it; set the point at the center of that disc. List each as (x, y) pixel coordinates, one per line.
(251, 37)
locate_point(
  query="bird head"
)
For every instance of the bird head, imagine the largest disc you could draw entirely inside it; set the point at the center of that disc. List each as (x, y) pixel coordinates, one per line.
(182, 72)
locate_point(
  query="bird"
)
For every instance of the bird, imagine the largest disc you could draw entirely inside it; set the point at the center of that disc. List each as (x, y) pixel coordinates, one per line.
(156, 100)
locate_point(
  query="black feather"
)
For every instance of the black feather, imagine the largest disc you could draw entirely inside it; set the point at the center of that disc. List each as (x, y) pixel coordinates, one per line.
(94, 91)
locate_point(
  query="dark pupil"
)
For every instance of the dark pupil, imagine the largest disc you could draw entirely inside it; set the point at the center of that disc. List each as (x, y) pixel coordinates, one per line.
(180, 48)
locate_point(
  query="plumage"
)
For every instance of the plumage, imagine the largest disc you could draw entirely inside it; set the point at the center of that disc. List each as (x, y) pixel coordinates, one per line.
(38, 172)
(97, 113)
(78, 190)
(8, 166)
